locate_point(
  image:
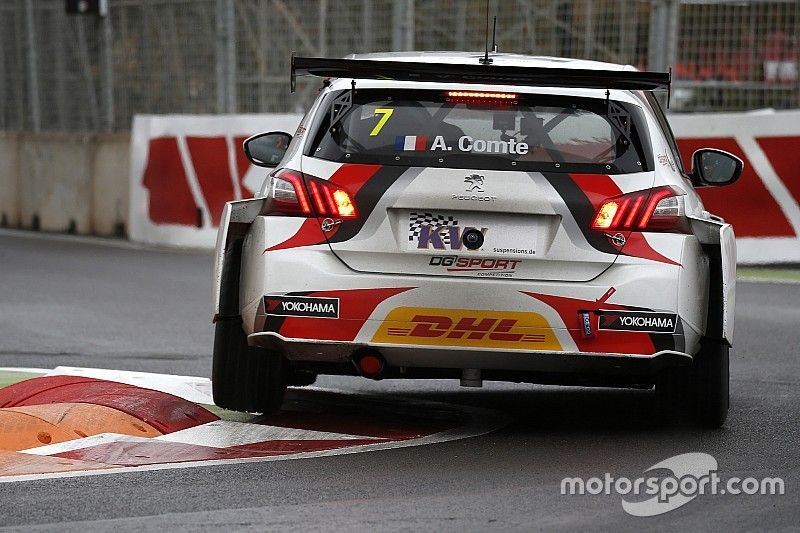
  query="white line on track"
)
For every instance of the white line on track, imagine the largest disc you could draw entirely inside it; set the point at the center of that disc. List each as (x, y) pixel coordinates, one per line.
(110, 242)
(787, 281)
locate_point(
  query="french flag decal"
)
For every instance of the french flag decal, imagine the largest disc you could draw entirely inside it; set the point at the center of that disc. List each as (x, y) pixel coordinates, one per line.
(411, 142)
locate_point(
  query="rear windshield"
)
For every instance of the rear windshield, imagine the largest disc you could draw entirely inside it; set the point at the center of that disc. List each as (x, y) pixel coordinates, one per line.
(466, 129)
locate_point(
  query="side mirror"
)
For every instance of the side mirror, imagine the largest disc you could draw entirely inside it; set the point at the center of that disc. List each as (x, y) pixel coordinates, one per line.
(712, 167)
(267, 149)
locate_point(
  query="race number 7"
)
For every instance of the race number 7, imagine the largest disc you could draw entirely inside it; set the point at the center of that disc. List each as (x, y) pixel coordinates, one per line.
(385, 114)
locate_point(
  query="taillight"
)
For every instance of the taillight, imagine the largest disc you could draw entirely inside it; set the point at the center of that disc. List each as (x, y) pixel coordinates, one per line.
(291, 196)
(659, 209)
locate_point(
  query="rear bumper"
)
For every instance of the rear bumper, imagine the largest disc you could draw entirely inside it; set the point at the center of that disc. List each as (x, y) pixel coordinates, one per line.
(383, 311)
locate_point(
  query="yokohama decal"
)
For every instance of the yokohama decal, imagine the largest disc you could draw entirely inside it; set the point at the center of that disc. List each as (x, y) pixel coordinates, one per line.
(355, 307)
(638, 321)
(301, 306)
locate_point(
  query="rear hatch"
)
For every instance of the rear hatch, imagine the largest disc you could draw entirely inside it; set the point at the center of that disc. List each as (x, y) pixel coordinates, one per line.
(502, 188)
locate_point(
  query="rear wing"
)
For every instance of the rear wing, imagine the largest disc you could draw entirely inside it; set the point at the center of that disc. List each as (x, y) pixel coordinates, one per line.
(477, 73)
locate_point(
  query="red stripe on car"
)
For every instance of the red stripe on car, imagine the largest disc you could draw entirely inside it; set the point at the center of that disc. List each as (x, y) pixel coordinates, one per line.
(597, 187)
(637, 246)
(353, 177)
(309, 234)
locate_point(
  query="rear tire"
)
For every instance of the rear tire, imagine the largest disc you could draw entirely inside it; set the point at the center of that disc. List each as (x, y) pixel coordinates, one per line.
(243, 378)
(712, 384)
(699, 392)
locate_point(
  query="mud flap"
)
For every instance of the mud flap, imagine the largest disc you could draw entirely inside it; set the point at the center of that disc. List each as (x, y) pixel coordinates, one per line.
(719, 242)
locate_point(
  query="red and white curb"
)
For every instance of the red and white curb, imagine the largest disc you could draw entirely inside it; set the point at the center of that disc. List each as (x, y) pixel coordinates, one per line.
(77, 422)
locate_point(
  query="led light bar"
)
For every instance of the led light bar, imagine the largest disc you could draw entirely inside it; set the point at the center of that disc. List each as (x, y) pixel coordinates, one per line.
(478, 95)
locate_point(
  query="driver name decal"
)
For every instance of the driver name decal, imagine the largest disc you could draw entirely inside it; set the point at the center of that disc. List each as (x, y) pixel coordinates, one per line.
(469, 144)
(465, 144)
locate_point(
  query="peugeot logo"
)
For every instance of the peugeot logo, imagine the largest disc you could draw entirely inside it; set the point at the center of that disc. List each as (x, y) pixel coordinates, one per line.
(328, 224)
(618, 239)
(474, 183)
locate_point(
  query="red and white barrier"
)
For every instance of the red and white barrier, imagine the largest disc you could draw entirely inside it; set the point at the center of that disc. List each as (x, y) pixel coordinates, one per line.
(184, 169)
(763, 204)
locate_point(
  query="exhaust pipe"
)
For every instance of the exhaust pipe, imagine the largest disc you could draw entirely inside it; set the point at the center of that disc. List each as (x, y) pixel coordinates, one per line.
(370, 364)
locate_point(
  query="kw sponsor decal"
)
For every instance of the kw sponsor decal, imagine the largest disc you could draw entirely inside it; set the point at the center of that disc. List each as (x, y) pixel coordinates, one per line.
(638, 321)
(465, 327)
(442, 238)
(439, 232)
(480, 266)
(302, 306)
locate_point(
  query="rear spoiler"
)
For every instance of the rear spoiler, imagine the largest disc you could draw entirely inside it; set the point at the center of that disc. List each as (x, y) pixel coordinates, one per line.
(477, 73)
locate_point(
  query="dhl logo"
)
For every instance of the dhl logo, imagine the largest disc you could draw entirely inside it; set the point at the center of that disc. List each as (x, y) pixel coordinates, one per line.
(469, 328)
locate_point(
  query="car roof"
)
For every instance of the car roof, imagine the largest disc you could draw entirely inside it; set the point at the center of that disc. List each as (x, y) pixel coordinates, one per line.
(499, 59)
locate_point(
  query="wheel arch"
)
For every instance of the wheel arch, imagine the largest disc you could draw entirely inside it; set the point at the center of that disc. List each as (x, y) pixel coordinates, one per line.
(719, 243)
(237, 216)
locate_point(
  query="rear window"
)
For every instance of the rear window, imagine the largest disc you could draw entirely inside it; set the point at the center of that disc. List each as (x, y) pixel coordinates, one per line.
(467, 129)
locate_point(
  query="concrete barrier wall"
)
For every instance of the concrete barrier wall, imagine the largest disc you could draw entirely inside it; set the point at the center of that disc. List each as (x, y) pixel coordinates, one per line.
(61, 182)
(9, 178)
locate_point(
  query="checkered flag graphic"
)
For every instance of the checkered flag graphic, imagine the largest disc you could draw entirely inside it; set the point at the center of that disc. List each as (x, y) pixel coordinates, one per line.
(417, 220)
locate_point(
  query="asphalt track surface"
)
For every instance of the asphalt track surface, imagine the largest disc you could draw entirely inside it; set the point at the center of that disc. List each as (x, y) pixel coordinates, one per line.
(77, 303)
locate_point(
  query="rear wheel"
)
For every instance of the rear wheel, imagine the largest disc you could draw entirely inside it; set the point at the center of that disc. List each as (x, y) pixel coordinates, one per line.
(699, 392)
(243, 378)
(712, 384)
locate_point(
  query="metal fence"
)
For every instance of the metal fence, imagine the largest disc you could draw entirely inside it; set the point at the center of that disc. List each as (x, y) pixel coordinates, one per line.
(87, 73)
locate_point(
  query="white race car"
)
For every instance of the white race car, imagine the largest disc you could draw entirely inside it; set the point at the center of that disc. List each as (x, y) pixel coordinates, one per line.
(437, 215)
